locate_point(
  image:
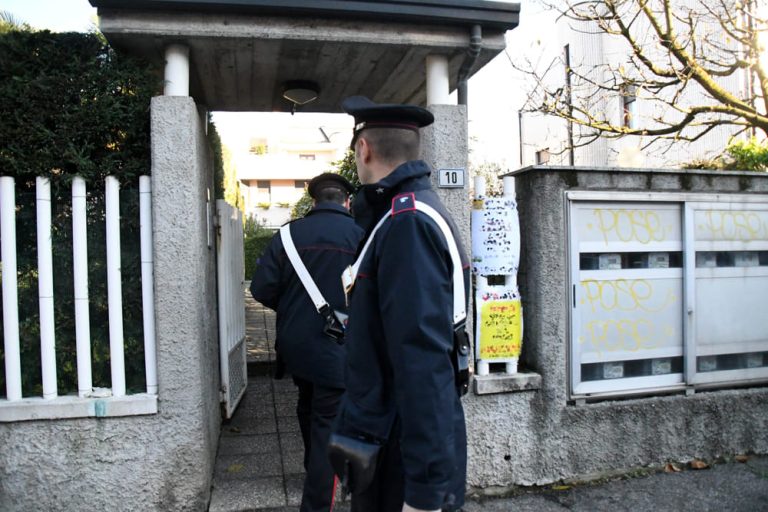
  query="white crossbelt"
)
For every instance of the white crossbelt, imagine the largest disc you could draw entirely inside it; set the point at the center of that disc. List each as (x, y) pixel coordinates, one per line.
(301, 269)
(349, 276)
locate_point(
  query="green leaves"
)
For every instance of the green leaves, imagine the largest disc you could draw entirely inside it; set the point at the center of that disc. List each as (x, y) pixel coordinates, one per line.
(74, 105)
(256, 239)
(749, 155)
(71, 106)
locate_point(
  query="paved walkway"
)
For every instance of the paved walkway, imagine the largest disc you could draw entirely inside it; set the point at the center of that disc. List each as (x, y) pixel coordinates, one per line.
(259, 465)
(259, 462)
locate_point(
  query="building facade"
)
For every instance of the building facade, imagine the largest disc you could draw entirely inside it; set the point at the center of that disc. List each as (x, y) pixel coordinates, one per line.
(277, 156)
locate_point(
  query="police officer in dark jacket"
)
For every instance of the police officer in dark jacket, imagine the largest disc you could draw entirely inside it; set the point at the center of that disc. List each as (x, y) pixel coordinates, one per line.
(401, 385)
(325, 239)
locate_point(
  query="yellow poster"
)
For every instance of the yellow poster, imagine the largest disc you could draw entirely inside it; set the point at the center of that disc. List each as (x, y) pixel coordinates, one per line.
(500, 329)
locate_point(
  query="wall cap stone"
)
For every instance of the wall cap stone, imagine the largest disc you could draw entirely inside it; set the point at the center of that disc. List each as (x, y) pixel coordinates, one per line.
(506, 383)
(630, 170)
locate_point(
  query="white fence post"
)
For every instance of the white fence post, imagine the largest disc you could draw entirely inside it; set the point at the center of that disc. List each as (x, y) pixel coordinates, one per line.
(80, 276)
(10, 289)
(15, 406)
(148, 282)
(510, 280)
(114, 286)
(45, 287)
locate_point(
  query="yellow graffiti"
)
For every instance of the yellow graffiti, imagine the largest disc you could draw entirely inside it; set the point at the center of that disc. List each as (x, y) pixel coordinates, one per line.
(735, 225)
(624, 335)
(623, 295)
(642, 226)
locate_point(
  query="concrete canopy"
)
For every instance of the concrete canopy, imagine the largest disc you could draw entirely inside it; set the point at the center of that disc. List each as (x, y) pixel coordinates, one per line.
(242, 52)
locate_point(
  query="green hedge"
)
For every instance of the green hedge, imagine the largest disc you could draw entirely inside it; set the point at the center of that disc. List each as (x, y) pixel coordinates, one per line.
(256, 239)
(71, 106)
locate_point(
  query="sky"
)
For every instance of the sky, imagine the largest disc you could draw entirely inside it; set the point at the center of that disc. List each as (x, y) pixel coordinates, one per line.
(496, 92)
(54, 15)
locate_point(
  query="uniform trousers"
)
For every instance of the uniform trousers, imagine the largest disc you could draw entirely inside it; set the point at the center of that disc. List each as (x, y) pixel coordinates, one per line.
(316, 410)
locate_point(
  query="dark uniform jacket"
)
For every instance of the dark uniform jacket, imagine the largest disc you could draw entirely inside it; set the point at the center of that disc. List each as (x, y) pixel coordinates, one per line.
(400, 378)
(326, 239)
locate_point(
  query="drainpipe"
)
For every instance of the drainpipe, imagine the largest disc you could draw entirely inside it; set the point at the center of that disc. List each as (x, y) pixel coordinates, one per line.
(475, 45)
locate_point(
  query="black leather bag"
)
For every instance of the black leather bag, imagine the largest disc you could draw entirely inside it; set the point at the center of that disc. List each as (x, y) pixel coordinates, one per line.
(353, 460)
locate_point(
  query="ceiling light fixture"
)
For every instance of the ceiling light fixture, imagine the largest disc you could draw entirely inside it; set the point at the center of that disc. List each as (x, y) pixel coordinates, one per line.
(300, 92)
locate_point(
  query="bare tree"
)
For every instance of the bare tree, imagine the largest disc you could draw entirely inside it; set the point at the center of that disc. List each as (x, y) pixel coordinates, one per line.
(694, 65)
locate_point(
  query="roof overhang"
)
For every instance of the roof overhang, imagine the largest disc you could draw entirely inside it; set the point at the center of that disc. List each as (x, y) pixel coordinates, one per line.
(243, 51)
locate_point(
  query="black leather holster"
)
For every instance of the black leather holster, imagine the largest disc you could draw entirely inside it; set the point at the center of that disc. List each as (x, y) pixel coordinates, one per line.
(461, 358)
(353, 460)
(335, 324)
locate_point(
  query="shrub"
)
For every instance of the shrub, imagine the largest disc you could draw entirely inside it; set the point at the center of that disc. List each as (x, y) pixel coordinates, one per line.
(256, 239)
(741, 155)
(749, 155)
(71, 106)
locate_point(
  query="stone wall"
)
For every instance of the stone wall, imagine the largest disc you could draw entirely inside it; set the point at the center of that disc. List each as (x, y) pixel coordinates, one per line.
(536, 437)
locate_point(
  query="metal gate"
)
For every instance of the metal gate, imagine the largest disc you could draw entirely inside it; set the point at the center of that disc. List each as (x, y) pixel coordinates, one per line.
(230, 272)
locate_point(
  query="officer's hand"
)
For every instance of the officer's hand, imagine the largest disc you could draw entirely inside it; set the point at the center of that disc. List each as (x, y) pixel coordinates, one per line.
(408, 508)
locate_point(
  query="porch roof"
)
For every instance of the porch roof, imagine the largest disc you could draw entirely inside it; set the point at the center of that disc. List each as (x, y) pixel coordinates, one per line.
(243, 51)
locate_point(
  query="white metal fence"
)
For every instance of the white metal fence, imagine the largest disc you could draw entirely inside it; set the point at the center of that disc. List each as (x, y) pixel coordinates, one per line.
(89, 401)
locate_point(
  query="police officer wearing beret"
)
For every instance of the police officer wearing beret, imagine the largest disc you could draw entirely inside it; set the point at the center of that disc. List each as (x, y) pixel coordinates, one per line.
(325, 239)
(401, 384)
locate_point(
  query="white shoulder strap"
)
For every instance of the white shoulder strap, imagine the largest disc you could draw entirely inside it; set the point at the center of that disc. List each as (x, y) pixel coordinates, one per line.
(459, 304)
(300, 268)
(459, 308)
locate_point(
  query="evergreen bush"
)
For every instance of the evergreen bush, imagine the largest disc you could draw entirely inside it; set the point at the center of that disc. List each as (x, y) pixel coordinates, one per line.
(73, 107)
(256, 239)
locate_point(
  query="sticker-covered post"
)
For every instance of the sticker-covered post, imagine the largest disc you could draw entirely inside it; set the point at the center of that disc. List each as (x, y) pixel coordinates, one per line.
(496, 258)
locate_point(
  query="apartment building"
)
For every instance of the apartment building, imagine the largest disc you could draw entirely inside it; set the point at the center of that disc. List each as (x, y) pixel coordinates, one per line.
(276, 156)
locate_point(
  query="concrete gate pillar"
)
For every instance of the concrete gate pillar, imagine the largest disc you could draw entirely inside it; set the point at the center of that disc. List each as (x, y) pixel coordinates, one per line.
(185, 298)
(444, 146)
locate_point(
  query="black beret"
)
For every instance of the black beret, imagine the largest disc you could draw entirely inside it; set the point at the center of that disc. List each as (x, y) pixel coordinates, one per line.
(368, 114)
(328, 179)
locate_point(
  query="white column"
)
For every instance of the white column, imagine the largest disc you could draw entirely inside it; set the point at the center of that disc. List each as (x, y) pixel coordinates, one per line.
(10, 290)
(80, 274)
(148, 282)
(481, 367)
(45, 287)
(438, 80)
(510, 280)
(481, 283)
(114, 286)
(177, 70)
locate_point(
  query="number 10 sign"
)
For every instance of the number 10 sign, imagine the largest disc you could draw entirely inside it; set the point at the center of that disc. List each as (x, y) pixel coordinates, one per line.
(451, 178)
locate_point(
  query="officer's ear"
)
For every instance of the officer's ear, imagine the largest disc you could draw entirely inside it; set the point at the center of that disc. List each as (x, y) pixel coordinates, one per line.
(365, 151)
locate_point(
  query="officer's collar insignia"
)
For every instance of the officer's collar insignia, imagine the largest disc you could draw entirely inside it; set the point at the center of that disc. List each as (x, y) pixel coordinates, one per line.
(403, 203)
(380, 190)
